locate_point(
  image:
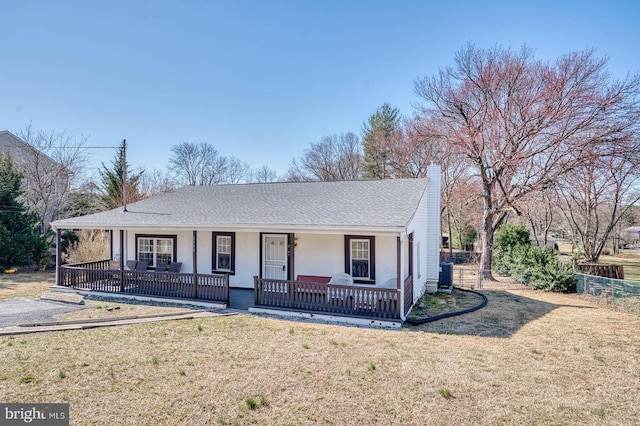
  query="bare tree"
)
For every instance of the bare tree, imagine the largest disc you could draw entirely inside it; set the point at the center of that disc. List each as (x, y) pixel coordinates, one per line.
(335, 157)
(197, 164)
(541, 211)
(155, 182)
(596, 196)
(264, 174)
(202, 164)
(410, 149)
(523, 123)
(236, 171)
(53, 162)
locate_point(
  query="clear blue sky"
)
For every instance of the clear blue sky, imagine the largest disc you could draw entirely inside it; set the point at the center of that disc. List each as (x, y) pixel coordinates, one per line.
(260, 80)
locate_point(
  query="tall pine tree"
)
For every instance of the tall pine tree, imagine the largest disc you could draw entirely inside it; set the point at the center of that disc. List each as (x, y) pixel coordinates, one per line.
(376, 134)
(113, 196)
(21, 242)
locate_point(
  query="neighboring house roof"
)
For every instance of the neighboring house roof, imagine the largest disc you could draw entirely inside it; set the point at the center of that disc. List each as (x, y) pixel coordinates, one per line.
(18, 149)
(370, 204)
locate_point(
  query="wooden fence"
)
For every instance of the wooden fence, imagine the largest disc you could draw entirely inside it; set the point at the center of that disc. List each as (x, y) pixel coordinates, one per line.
(602, 270)
(327, 298)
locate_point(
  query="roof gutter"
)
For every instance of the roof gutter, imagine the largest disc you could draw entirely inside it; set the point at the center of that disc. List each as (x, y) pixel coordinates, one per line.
(243, 227)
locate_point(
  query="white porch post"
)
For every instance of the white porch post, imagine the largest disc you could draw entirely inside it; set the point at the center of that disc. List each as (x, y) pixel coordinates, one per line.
(400, 254)
(58, 255)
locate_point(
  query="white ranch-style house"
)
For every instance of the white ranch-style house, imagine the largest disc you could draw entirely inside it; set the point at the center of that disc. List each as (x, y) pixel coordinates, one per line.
(365, 249)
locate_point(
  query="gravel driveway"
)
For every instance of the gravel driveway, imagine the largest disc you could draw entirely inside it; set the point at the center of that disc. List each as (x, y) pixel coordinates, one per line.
(21, 310)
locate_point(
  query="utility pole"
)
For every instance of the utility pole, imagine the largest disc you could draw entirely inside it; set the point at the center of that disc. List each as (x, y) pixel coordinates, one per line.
(124, 173)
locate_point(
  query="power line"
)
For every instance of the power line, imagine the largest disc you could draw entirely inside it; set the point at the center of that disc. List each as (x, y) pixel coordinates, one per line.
(61, 146)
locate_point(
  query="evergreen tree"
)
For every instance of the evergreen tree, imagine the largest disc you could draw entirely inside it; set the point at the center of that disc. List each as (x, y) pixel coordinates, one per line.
(21, 242)
(113, 196)
(376, 134)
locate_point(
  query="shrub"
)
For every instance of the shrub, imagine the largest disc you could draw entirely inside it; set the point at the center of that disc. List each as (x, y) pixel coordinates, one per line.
(509, 236)
(549, 275)
(532, 265)
(21, 242)
(510, 251)
(467, 236)
(91, 245)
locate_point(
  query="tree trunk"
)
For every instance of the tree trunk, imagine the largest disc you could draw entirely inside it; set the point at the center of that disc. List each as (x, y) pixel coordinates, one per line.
(450, 235)
(487, 233)
(487, 247)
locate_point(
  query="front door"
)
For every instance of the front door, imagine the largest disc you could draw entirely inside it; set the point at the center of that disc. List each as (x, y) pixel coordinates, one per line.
(274, 257)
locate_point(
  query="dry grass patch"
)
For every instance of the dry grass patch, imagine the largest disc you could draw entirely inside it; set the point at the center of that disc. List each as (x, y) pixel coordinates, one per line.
(36, 284)
(104, 309)
(566, 362)
(25, 284)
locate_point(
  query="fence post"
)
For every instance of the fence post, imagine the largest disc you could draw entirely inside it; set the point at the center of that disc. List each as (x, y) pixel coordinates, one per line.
(226, 287)
(255, 290)
(291, 294)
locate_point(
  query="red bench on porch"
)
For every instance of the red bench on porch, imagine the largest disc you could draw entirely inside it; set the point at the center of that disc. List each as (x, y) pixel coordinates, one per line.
(313, 279)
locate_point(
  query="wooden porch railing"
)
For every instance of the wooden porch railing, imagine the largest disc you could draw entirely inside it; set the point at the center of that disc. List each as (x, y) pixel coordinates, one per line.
(408, 293)
(95, 276)
(327, 298)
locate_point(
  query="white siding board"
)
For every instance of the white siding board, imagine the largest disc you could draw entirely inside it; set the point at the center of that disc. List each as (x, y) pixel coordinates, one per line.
(318, 254)
(386, 259)
(432, 243)
(247, 259)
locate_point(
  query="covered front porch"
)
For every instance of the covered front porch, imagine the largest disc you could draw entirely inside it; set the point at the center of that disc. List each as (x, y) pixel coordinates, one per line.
(288, 295)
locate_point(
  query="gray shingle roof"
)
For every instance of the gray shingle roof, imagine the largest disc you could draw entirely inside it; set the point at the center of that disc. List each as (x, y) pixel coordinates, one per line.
(372, 204)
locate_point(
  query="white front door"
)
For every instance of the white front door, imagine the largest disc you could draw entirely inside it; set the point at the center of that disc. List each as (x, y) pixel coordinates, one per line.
(274, 256)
